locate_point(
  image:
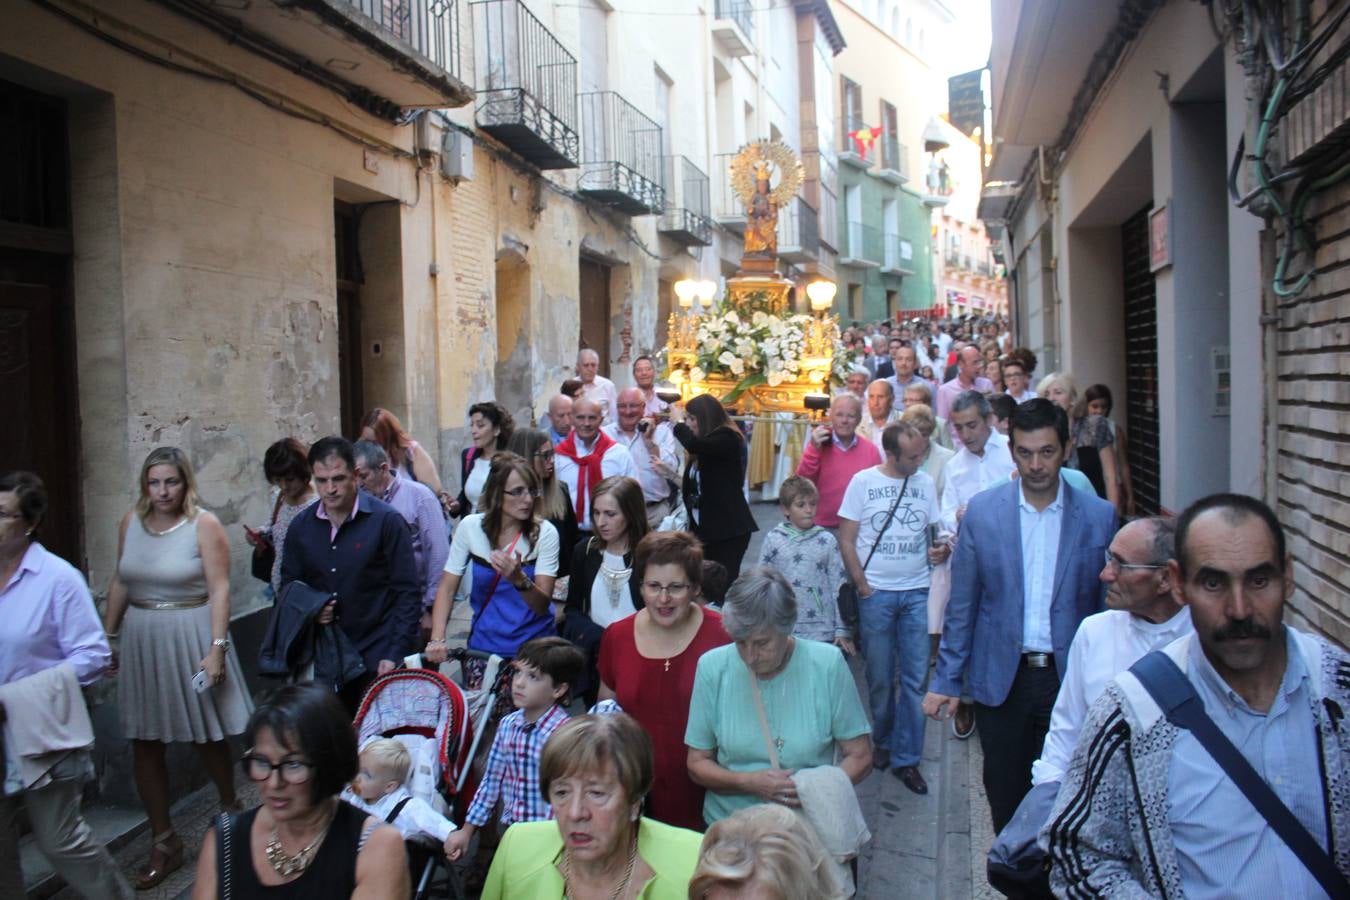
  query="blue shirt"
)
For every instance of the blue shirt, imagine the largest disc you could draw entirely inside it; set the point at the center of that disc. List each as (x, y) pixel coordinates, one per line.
(1040, 553)
(367, 564)
(420, 508)
(1224, 846)
(47, 618)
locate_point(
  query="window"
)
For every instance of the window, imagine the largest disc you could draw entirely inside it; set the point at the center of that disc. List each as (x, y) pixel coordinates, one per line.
(662, 108)
(851, 106)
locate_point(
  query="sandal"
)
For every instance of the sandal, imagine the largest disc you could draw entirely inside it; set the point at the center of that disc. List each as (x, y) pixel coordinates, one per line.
(166, 857)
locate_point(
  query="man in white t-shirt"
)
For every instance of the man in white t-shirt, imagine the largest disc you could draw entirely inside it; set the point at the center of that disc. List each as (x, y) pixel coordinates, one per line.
(890, 508)
(597, 387)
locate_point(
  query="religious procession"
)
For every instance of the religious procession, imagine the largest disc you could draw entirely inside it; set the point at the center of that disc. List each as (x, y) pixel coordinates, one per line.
(784, 451)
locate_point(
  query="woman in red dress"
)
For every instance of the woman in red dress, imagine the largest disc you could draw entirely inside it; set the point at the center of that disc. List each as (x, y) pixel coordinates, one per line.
(648, 660)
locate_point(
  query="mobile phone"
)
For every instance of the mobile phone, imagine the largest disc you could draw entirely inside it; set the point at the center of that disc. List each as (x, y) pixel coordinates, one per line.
(200, 683)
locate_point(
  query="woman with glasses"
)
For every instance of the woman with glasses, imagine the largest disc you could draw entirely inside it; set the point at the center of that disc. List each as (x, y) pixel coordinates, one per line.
(302, 841)
(514, 559)
(555, 503)
(648, 660)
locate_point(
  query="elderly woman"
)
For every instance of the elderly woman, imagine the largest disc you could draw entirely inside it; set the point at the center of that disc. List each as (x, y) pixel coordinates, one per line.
(286, 467)
(811, 708)
(50, 639)
(648, 661)
(767, 852)
(302, 842)
(178, 676)
(595, 771)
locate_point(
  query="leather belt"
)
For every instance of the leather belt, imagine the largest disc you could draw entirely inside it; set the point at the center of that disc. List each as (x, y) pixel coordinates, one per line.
(191, 603)
(1037, 660)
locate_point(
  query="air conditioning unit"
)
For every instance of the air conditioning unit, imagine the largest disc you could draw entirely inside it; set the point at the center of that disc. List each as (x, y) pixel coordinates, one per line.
(456, 155)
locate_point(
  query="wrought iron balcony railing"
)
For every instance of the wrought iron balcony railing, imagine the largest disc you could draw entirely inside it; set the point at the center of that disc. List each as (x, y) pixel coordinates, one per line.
(849, 150)
(894, 160)
(527, 85)
(798, 232)
(620, 154)
(687, 203)
(727, 207)
(862, 246)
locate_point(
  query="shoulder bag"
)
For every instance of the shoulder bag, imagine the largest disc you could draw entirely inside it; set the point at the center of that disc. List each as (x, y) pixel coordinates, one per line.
(265, 551)
(848, 592)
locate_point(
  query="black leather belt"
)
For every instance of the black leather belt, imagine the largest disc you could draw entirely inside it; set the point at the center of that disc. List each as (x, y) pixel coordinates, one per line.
(1037, 660)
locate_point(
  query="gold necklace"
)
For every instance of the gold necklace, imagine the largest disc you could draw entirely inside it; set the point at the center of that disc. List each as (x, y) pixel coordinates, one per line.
(288, 865)
(622, 886)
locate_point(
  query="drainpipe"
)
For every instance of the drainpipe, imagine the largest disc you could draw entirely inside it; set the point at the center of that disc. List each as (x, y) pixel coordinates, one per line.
(1270, 368)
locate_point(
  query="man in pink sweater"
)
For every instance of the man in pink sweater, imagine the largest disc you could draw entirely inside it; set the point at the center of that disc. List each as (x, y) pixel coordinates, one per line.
(834, 455)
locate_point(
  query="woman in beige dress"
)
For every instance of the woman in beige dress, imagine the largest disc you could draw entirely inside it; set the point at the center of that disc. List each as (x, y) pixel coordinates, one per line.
(168, 615)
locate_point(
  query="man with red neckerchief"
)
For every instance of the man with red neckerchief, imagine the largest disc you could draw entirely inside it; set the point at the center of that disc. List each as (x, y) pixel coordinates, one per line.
(588, 456)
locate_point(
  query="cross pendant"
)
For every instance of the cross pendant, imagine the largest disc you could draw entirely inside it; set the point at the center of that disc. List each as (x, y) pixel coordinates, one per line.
(667, 667)
(778, 744)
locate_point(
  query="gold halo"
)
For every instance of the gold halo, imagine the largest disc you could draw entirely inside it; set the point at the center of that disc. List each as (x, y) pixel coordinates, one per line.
(780, 157)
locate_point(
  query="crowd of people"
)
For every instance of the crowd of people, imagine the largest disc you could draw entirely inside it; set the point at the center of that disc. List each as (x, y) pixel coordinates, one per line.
(682, 721)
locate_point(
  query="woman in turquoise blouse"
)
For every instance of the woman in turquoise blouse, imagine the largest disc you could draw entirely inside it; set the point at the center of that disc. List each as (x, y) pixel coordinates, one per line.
(811, 704)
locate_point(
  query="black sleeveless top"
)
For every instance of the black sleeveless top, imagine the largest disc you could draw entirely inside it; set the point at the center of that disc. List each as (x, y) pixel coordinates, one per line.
(332, 873)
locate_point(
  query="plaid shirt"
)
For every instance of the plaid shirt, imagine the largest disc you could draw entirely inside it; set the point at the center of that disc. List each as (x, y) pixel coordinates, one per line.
(512, 774)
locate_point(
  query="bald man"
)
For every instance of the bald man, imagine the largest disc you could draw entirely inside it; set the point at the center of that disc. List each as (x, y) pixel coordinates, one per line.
(587, 457)
(559, 418)
(652, 446)
(597, 387)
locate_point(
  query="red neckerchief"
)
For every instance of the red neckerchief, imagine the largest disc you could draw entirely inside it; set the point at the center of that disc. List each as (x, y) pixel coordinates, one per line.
(588, 467)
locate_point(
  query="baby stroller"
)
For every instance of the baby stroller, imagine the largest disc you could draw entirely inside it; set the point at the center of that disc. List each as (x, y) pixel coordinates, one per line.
(427, 713)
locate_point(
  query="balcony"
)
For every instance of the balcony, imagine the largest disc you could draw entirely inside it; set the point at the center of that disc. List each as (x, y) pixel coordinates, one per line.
(848, 147)
(728, 209)
(527, 85)
(898, 256)
(620, 155)
(385, 57)
(894, 160)
(687, 200)
(734, 27)
(862, 247)
(798, 232)
(952, 260)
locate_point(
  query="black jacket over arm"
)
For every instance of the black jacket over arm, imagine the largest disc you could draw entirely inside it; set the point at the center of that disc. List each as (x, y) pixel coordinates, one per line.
(586, 558)
(722, 510)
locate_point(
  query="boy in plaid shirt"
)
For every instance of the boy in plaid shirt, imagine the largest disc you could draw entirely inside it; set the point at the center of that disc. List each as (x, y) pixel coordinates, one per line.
(809, 557)
(545, 669)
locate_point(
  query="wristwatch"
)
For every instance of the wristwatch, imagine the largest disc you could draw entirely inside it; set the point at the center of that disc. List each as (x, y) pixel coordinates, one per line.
(222, 643)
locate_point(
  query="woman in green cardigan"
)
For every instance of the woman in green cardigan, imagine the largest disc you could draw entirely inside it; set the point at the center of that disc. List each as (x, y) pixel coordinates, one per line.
(595, 771)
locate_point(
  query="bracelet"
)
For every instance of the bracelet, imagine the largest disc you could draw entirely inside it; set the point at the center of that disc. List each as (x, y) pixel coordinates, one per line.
(436, 642)
(112, 635)
(524, 588)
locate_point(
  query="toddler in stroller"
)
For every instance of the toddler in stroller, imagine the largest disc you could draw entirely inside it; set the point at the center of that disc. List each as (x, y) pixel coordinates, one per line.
(381, 790)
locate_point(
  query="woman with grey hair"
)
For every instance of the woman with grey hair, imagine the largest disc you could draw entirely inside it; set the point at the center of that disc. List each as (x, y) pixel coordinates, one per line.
(811, 709)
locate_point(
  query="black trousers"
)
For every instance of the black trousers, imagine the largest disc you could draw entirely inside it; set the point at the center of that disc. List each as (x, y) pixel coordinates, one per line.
(728, 552)
(1011, 736)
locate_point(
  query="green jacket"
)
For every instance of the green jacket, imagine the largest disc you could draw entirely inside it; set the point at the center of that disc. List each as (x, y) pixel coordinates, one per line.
(525, 864)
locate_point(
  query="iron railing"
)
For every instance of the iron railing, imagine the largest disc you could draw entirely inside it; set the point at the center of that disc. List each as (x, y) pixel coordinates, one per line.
(430, 27)
(687, 202)
(798, 231)
(850, 124)
(727, 207)
(862, 243)
(527, 84)
(738, 11)
(620, 154)
(893, 156)
(984, 268)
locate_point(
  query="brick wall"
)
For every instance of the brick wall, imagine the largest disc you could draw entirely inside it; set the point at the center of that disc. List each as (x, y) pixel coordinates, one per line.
(1313, 444)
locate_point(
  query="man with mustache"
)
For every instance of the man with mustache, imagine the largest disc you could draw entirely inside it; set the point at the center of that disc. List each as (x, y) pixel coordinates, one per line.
(1144, 809)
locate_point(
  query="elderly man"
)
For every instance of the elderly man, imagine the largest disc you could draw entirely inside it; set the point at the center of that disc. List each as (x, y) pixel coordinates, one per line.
(587, 457)
(644, 375)
(357, 549)
(559, 418)
(1145, 810)
(834, 454)
(968, 378)
(1024, 576)
(1142, 615)
(880, 411)
(921, 393)
(595, 386)
(652, 447)
(855, 382)
(906, 363)
(418, 506)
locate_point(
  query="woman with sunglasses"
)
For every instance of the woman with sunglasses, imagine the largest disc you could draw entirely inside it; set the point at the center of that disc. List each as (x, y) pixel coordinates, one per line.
(514, 559)
(302, 841)
(648, 660)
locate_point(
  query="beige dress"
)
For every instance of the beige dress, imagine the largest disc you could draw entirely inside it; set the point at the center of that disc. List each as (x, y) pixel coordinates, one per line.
(165, 636)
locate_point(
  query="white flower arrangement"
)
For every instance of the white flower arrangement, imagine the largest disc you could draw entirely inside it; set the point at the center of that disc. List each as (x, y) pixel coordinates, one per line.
(760, 349)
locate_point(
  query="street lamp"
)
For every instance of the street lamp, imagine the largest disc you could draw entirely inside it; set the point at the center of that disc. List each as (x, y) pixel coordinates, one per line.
(706, 290)
(686, 289)
(821, 294)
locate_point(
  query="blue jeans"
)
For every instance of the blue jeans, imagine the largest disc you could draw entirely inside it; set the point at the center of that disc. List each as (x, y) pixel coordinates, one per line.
(894, 627)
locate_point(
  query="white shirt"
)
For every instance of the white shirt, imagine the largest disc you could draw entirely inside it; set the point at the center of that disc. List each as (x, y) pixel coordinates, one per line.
(654, 487)
(901, 559)
(603, 392)
(968, 474)
(604, 612)
(1040, 551)
(653, 405)
(870, 430)
(1023, 397)
(470, 539)
(1106, 644)
(617, 461)
(417, 821)
(477, 480)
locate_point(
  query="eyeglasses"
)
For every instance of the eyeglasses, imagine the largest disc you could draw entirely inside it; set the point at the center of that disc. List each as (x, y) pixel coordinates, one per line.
(1115, 563)
(674, 591)
(517, 493)
(260, 768)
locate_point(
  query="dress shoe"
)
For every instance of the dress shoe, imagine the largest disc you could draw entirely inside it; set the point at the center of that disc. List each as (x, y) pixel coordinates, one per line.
(909, 776)
(881, 758)
(963, 723)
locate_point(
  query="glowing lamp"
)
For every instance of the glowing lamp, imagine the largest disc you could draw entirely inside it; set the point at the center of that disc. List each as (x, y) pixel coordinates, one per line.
(821, 294)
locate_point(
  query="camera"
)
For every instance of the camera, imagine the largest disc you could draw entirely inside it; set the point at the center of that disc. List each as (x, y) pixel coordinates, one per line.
(642, 426)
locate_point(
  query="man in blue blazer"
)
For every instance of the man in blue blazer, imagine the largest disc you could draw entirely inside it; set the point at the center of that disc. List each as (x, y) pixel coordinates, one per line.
(1025, 573)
